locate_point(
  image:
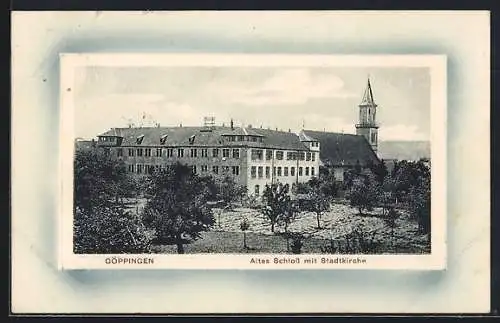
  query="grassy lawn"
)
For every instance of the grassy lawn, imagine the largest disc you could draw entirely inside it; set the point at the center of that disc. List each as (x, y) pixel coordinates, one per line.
(232, 242)
(226, 236)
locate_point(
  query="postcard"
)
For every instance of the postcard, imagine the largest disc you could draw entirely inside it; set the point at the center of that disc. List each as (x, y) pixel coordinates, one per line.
(252, 161)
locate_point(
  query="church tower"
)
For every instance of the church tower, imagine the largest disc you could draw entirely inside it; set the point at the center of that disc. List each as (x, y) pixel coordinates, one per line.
(367, 125)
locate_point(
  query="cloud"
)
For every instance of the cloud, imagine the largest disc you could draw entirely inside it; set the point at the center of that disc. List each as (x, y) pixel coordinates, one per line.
(401, 132)
(285, 87)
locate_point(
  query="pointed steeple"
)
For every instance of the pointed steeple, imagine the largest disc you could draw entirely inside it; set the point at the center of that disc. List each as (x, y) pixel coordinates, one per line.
(368, 95)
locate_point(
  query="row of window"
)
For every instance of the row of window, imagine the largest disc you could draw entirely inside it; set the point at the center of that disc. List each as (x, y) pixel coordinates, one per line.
(245, 138)
(169, 152)
(149, 169)
(258, 154)
(277, 171)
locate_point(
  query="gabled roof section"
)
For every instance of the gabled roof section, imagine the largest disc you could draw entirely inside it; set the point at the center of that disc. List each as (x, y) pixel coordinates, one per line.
(368, 95)
(343, 149)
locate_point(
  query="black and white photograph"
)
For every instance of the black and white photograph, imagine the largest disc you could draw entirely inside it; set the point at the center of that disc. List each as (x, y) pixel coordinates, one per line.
(250, 160)
(263, 163)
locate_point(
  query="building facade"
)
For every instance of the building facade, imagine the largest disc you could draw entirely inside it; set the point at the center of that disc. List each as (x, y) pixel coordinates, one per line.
(252, 157)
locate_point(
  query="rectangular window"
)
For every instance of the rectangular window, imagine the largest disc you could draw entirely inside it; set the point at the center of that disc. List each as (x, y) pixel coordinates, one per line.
(313, 156)
(236, 153)
(257, 154)
(180, 152)
(139, 152)
(279, 155)
(215, 169)
(139, 169)
(194, 152)
(307, 171)
(302, 155)
(268, 171)
(274, 171)
(308, 156)
(289, 155)
(204, 152)
(279, 171)
(158, 152)
(300, 171)
(215, 152)
(253, 171)
(131, 152)
(292, 171)
(204, 168)
(131, 168)
(285, 171)
(312, 171)
(236, 170)
(148, 152)
(170, 152)
(225, 153)
(260, 172)
(119, 152)
(269, 154)
(225, 169)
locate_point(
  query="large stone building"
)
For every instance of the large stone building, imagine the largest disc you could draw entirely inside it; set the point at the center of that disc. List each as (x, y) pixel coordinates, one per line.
(254, 157)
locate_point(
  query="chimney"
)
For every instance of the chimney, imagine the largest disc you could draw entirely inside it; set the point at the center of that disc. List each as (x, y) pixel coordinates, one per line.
(276, 128)
(180, 125)
(249, 126)
(158, 125)
(223, 124)
(289, 130)
(232, 124)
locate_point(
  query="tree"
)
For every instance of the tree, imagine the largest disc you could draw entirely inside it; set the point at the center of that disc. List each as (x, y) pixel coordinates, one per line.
(390, 221)
(363, 194)
(244, 226)
(379, 170)
(98, 179)
(177, 206)
(319, 202)
(287, 218)
(101, 224)
(229, 191)
(276, 200)
(420, 205)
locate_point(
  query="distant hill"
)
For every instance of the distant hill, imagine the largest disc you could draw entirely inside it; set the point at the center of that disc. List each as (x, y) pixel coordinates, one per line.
(404, 150)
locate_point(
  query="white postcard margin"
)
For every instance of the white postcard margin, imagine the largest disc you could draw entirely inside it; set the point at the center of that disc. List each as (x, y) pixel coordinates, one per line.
(434, 261)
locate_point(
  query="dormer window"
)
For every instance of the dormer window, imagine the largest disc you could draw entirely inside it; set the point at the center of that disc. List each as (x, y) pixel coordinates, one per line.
(139, 139)
(163, 139)
(191, 139)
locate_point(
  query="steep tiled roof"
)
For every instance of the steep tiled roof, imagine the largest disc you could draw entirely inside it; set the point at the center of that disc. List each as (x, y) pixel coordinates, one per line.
(180, 136)
(347, 149)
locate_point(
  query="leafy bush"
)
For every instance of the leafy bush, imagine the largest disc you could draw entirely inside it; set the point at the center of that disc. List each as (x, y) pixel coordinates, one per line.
(110, 230)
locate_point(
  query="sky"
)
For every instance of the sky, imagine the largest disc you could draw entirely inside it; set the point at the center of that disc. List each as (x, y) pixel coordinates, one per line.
(314, 98)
